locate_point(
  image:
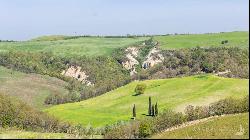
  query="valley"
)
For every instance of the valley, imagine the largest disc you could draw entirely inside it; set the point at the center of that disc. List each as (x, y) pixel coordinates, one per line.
(84, 86)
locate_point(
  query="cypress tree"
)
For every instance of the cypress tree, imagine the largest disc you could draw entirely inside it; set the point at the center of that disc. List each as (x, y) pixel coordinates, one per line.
(153, 110)
(134, 112)
(149, 106)
(156, 109)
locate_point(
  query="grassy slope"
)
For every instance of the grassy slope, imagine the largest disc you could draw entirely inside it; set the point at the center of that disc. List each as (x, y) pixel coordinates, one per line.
(17, 134)
(90, 46)
(31, 88)
(225, 127)
(169, 93)
(94, 46)
(240, 39)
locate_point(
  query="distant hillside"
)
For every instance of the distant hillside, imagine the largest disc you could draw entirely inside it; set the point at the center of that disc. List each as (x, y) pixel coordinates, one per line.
(30, 88)
(230, 39)
(62, 46)
(224, 127)
(168, 93)
(51, 38)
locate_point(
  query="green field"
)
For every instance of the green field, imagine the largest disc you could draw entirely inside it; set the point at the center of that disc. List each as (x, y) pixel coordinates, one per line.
(226, 127)
(235, 39)
(97, 46)
(31, 88)
(173, 93)
(19, 134)
(90, 46)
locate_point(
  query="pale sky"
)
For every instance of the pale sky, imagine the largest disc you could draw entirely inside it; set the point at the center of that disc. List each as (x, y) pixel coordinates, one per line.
(26, 19)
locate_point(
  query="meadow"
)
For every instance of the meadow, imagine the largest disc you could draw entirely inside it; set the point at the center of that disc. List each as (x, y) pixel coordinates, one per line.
(174, 93)
(225, 127)
(235, 39)
(102, 46)
(84, 46)
(30, 88)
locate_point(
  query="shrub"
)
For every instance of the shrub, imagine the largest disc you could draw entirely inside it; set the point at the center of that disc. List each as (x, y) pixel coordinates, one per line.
(144, 129)
(167, 119)
(229, 106)
(127, 131)
(197, 112)
(140, 88)
(189, 111)
(201, 112)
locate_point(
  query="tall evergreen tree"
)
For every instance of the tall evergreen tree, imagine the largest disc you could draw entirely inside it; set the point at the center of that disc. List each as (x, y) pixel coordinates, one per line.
(153, 110)
(134, 112)
(156, 109)
(149, 106)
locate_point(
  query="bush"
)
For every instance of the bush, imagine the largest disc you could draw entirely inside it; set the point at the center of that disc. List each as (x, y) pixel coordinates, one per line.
(144, 129)
(166, 120)
(140, 88)
(127, 131)
(189, 111)
(198, 112)
(229, 106)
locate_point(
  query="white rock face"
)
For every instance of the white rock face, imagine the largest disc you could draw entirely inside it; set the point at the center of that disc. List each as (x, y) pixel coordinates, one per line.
(224, 72)
(154, 57)
(75, 72)
(131, 54)
(133, 50)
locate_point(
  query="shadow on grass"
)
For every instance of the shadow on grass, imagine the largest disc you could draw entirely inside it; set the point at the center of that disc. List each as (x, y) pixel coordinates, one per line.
(136, 94)
(145, 114)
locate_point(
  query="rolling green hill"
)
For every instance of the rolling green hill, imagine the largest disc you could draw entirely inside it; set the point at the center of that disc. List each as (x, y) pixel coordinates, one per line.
(235, 39)
(95, 46)
(225, 127)
(31, 88)
(173, 93)
(90, 46)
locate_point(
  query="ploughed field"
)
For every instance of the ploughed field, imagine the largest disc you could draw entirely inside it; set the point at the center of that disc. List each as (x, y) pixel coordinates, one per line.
(175, 93)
